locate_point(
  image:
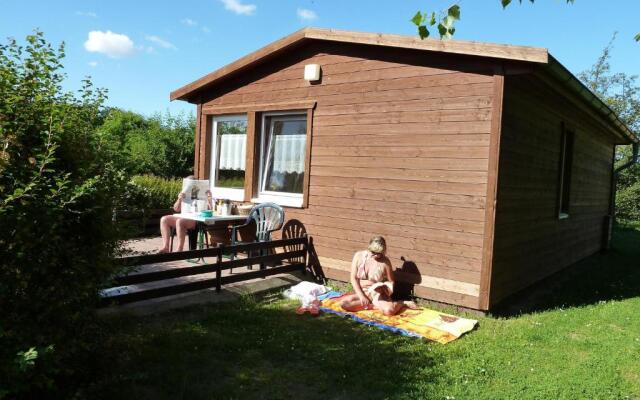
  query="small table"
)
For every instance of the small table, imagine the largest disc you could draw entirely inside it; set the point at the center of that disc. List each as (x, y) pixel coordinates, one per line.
(201, 222)
(210, 220)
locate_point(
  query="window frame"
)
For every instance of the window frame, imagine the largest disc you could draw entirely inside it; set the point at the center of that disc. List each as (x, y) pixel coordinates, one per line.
(254, 112)
(565, 173)
(282, 198)
(235, 194)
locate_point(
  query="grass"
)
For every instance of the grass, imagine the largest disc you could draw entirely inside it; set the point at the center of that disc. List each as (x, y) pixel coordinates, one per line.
(581, 342)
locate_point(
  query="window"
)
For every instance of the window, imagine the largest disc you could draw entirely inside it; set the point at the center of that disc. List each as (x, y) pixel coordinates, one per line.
(228, 152)
(566, 162)
(283, 143)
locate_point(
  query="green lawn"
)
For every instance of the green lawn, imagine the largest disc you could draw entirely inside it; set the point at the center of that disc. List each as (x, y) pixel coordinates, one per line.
(582, 342)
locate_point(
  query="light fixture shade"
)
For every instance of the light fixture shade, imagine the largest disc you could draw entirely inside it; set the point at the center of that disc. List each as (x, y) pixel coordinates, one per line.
(311, 72)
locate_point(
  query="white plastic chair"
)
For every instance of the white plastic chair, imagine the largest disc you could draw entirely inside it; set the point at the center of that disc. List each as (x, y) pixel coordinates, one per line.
(269, 217)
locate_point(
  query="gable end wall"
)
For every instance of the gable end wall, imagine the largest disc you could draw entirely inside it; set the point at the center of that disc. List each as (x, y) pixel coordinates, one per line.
(530, 241)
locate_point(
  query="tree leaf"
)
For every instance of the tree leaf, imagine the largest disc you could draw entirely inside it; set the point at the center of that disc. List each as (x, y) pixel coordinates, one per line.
(454, 11)
(442, 30)
(448, 21)
(417, 19)
(423, 32)
(637, 37)
(433, 19)
(505, 3)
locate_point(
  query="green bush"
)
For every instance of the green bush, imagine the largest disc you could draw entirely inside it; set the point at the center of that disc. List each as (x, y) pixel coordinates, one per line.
(628, 203)
(152, 192)
(56, 236)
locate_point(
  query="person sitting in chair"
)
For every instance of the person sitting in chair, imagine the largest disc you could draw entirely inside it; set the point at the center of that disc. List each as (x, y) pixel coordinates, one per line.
(372, 281)
(181, 225)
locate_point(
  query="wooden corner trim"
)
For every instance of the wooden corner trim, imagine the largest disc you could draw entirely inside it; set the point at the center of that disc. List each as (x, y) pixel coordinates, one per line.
(307, 159)
(492, 191)
(250, 162)
(196, 159)
(205, 147)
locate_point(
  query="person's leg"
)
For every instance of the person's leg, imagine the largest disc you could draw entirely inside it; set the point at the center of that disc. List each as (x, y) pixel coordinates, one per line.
(351, 303)
(166, 223)
(410, 304)
(182, 226)
(388, 307)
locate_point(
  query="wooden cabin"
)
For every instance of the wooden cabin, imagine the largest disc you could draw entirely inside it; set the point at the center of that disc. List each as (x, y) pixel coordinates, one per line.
(487, 167)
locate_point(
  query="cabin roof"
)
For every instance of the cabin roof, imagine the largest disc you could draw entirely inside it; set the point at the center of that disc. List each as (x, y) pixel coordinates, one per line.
(535, 55)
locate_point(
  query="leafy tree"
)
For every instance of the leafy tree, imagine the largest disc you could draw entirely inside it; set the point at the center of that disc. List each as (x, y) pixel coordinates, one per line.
(622, 93)
(56, 236)
(446, 19)
(162, 145)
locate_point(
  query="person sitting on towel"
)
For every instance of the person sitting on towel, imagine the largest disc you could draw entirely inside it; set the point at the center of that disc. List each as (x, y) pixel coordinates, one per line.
(372, 280)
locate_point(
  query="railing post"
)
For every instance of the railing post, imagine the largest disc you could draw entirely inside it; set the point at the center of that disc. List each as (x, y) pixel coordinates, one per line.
(218, 270)
(261, 252)
(306, 253)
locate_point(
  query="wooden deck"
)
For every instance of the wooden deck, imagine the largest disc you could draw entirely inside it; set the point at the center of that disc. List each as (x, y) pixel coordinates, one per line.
(156, 275)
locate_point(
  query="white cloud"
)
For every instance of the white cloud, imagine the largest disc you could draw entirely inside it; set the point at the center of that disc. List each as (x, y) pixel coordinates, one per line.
(306, 15)
(90, 14)
(237, 7)
(93, 64)
(189, 22)
(114, 45)
(206, 29)
(161, 42)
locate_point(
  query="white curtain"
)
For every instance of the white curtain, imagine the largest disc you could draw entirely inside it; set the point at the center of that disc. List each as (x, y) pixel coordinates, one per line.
(289, 152)
(233, 152)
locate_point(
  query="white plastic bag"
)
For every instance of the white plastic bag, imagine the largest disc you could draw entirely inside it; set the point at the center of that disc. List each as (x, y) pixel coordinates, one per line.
(305, 289)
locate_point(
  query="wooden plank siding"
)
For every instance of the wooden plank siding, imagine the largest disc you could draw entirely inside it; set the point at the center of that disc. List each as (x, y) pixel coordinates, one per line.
(400, 148)
(530, 241)
(376, 41)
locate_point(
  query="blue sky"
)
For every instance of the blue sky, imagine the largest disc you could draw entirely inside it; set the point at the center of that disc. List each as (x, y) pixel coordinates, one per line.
(155, 47)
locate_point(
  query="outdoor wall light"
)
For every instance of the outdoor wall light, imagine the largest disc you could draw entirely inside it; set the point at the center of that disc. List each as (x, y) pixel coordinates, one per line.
(311, 72)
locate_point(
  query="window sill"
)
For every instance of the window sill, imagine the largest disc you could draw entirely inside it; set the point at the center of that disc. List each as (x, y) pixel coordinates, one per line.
(284, 201)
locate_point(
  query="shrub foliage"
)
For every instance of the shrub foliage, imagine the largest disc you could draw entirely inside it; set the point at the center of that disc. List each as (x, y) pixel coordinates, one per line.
(628, 203)
(151, 192)
(56, 195)
(162, 145)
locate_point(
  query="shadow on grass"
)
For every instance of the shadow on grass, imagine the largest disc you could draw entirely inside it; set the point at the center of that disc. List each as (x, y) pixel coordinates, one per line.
(259, 351)
(611, 275)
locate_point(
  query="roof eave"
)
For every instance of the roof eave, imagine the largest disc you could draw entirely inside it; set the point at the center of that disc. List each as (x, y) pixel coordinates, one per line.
(186, 92)
(499, 51)
(563, 74)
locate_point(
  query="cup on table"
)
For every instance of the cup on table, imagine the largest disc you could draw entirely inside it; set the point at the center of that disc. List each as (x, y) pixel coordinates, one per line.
(202, 205)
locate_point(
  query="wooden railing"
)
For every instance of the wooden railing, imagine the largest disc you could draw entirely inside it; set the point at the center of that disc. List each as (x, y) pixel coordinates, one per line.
(286, 255)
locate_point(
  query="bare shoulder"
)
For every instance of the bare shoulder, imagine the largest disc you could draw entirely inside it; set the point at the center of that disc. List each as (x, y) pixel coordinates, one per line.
(359, 254)
(386, 262)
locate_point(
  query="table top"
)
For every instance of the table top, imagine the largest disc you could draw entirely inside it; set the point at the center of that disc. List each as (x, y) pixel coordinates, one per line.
(210, 220)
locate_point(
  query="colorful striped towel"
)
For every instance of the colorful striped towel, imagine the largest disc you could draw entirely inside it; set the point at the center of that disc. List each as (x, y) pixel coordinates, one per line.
(425, 323)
